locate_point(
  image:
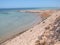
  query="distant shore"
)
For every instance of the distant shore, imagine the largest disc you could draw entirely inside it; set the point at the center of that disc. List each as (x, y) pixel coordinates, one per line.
(43, 13)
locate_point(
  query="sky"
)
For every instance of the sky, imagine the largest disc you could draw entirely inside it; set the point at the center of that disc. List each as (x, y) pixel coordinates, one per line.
(29, 3)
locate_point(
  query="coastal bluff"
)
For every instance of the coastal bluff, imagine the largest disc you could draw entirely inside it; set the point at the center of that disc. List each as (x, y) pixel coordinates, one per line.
(45, 33)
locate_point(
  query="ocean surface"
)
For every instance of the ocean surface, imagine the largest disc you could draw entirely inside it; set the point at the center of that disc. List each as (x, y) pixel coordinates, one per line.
(13, 22)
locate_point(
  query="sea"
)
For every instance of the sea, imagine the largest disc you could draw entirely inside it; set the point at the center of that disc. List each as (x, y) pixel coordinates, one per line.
(13, 22)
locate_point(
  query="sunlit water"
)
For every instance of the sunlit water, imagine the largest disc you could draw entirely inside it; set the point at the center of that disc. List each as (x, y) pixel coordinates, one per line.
(13, 22)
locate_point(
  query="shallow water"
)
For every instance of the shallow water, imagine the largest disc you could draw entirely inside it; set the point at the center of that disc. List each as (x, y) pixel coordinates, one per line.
(13, 22)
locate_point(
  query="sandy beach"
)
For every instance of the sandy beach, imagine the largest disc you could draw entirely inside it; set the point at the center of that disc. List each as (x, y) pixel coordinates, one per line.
(38, 35)
(29, 22)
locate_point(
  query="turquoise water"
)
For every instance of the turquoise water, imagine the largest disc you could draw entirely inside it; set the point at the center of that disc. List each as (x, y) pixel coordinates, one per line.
(13, 22)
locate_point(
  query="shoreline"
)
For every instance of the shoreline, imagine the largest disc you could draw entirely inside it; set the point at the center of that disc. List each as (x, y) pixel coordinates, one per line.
(14, 36)
(31, 27)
